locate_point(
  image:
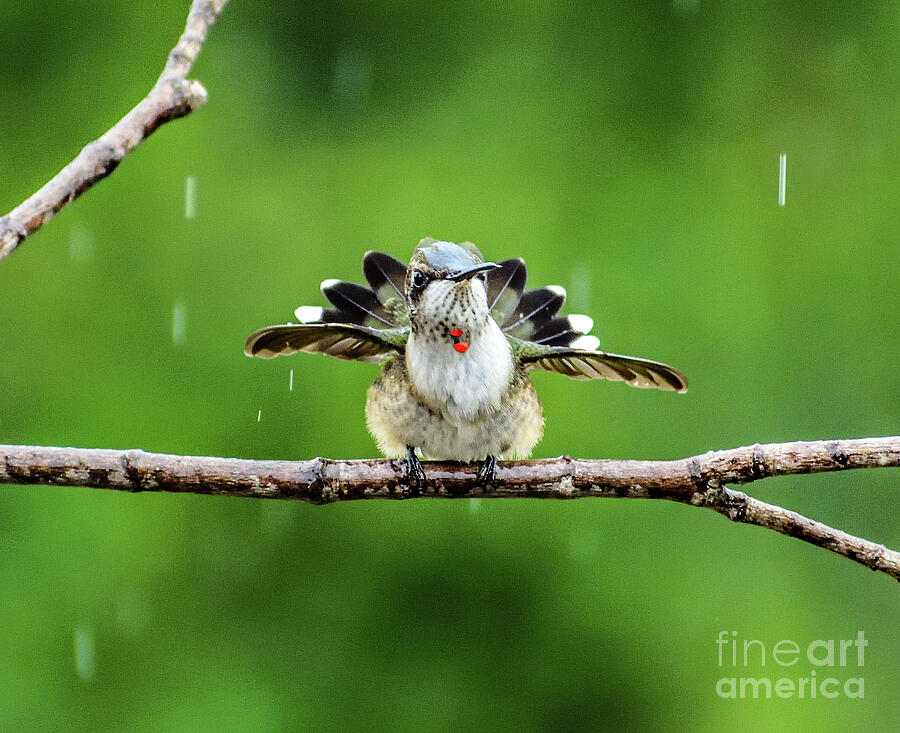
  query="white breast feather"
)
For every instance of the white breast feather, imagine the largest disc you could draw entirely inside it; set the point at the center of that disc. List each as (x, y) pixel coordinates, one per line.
(466, 384)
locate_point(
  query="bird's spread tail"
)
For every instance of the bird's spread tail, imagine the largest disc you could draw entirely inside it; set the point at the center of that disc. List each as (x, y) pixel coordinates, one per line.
(380, 305)
(533, 315)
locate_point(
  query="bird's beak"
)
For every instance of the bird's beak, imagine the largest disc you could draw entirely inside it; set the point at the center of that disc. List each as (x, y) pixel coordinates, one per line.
(472, 271)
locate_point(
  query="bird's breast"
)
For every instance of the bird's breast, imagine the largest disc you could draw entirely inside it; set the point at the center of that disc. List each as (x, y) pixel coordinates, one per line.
(461, 383)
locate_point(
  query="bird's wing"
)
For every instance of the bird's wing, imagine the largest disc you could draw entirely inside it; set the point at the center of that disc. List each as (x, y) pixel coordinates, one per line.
(341, 340)
(582, 364)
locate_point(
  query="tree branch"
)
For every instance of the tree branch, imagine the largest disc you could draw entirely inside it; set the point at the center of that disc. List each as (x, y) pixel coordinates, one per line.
(172, 96)
(697, 481)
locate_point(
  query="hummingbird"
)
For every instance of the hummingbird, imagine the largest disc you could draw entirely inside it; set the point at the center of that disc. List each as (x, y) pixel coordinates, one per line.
(456, 337)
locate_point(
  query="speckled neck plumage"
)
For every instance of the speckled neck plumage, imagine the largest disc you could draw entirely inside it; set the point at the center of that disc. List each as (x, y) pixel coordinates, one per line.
(462, 383)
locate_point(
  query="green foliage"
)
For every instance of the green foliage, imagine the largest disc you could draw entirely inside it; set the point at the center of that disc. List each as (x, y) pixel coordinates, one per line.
(630, 154)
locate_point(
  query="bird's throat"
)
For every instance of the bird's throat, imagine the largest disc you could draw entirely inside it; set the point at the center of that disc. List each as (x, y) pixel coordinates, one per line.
(465, 373)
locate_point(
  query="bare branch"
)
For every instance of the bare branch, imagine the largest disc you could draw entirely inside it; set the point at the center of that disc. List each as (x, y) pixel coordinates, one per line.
(697, 481)
(172, 96)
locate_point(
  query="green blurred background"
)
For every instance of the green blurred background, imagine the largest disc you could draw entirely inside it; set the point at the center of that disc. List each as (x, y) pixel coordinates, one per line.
(628, 151)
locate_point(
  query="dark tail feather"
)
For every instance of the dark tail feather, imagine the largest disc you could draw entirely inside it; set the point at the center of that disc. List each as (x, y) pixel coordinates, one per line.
(556, 332)
(535, 319)
(535, 308)
(354, 304)
(386, 276)
(504, 288)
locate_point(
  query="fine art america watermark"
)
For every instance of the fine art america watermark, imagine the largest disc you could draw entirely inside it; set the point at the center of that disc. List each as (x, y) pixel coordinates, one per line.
(822, 668)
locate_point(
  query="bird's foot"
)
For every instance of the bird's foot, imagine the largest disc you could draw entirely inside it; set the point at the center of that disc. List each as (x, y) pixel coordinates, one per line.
(415, 474)
(486, 473)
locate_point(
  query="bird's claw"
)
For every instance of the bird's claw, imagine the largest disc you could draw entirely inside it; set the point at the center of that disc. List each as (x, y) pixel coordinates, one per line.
(415, 474)
(486, 473)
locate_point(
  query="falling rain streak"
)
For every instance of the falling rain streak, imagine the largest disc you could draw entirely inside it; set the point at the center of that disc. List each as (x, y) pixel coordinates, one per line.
(580, 288)
(259, 416)
(84, 653)
(190, 197)
(81, 244)
(179, 318)
(782, 177)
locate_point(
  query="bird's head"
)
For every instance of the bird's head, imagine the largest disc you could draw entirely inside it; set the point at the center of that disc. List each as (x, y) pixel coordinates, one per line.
(445, 290)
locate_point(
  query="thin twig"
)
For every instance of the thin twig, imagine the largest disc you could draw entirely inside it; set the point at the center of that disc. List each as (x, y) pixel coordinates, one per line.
(697, 481)
(173, 96)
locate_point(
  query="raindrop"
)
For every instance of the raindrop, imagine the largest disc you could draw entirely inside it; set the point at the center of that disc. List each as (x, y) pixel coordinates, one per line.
(291, 382)
(84, 653)
(190, 197)
(474, 505)
(782, 177)
(179, 317)
(259, 416)
(580, 288)
(81, 244)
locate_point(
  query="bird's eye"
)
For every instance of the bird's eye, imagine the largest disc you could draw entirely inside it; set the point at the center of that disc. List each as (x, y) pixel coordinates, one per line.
(419, 280)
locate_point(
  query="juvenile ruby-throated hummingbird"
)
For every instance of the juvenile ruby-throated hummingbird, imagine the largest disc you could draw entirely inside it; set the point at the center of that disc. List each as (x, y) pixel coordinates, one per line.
(456, 337)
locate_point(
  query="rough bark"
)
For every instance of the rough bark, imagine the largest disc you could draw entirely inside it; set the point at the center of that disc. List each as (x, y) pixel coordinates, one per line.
(173, 96)
(697, 481)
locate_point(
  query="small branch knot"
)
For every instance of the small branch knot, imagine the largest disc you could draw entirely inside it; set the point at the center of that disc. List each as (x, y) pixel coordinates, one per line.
(873, 558)
(757, 465)
(695, 471)
(837, 453)
(132, 475)
(320, 489)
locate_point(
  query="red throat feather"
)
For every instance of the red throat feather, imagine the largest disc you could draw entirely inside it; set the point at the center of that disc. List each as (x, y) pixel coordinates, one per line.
(460, 346)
